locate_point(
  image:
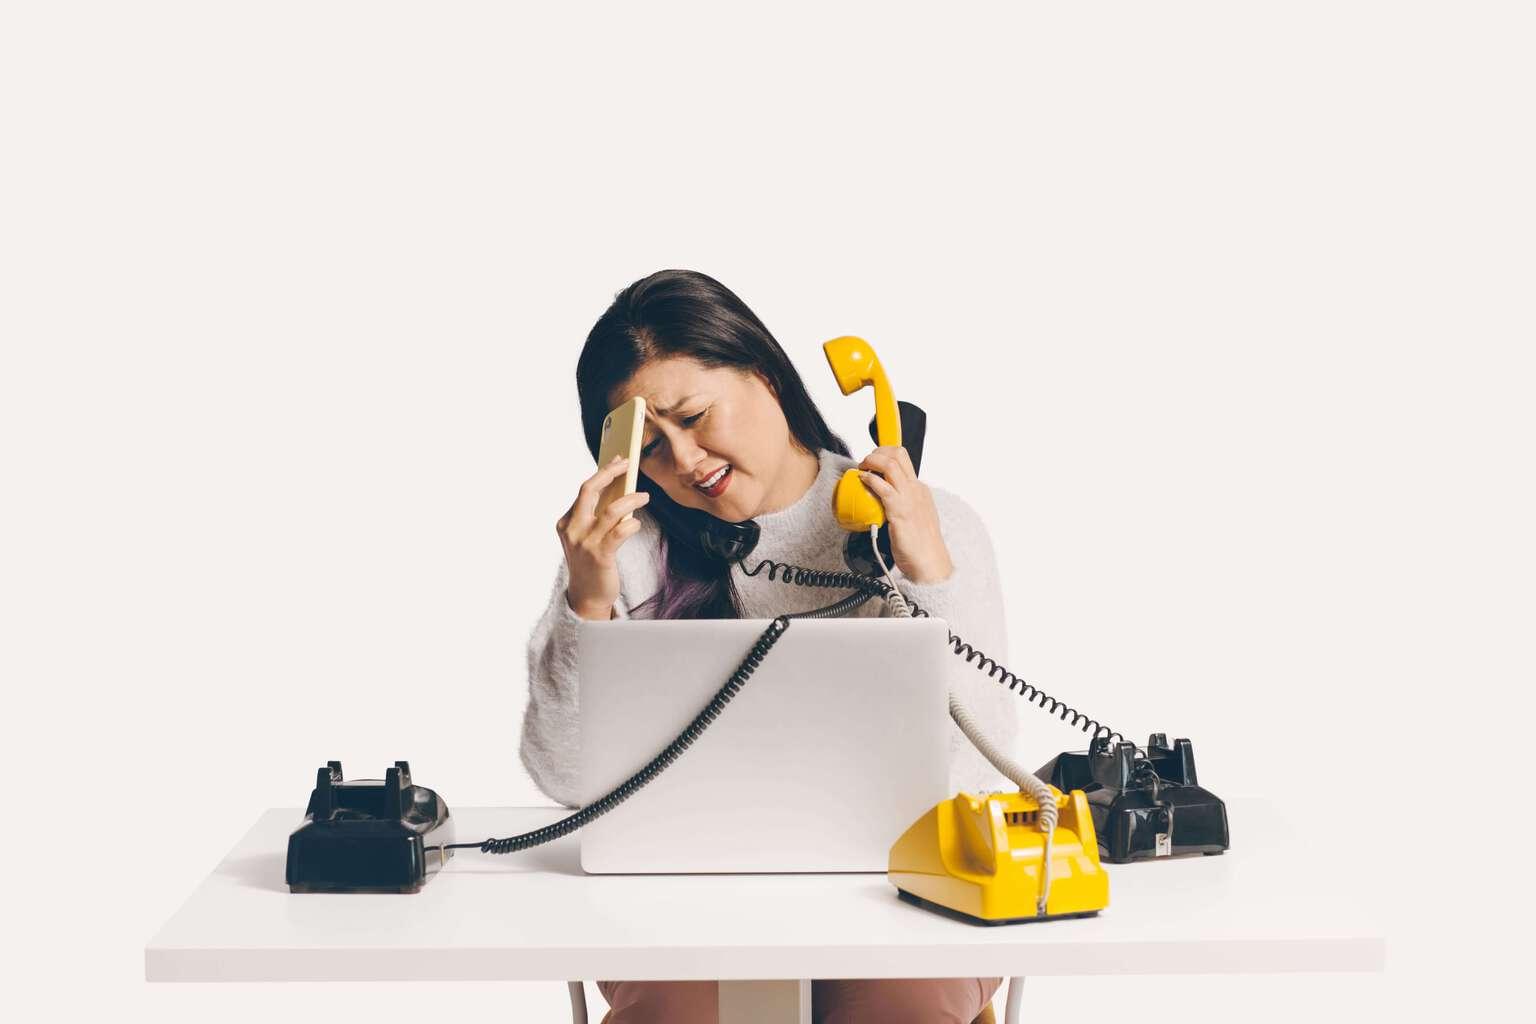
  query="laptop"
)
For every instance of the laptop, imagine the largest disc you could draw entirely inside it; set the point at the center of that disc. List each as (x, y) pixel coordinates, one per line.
(835, 745)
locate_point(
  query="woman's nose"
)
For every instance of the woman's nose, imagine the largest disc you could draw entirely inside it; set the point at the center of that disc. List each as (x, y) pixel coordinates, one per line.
(687, 455)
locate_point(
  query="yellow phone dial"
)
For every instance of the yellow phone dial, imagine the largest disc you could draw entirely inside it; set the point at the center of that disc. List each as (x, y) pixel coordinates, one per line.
(855, 366)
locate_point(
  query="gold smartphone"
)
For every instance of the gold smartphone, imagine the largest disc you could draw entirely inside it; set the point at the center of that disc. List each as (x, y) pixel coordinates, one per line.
(622, 431)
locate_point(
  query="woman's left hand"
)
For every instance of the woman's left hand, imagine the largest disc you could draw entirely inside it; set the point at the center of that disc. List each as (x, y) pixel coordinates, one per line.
(910, 515)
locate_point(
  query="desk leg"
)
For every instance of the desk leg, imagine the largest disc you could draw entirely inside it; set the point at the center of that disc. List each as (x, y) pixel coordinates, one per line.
(765, 1002)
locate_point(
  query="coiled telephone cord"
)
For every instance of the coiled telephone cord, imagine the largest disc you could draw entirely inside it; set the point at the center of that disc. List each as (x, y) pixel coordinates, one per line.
(662, 761)
(1042, 793)
(872, 586)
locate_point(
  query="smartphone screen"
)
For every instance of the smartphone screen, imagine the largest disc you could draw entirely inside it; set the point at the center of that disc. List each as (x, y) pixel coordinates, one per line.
(622, 430)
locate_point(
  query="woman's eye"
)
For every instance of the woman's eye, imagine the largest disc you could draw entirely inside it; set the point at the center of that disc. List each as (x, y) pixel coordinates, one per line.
(687, 421)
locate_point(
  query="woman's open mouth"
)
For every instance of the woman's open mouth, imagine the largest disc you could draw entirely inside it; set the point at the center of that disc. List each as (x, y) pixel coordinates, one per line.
(716, 485)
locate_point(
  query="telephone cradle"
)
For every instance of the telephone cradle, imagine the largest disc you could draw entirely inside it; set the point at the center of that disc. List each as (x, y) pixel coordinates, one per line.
(981, 859)
(1145, 804)
(369, 835)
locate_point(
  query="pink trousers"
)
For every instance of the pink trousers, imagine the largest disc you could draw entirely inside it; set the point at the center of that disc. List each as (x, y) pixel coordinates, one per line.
(884, 1000)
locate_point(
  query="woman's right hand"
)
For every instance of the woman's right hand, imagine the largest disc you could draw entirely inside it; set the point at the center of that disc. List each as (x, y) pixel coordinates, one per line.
(592, 543)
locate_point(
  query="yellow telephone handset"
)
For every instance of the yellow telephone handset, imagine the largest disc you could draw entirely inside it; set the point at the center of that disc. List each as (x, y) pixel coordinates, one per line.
(855, 366)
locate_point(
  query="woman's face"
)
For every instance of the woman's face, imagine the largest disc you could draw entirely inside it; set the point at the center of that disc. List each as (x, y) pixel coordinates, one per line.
(700, 420)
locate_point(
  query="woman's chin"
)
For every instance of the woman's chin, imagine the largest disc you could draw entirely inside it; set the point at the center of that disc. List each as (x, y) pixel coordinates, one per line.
(726, 510)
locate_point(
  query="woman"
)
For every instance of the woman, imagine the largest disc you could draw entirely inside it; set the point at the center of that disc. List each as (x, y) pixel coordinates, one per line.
(731, 431)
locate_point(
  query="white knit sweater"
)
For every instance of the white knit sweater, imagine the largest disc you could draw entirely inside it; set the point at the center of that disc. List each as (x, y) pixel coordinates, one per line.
(805, 534)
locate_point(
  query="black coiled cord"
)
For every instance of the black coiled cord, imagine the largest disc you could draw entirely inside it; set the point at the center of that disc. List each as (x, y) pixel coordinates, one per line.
(872, 586)
(1027, 690)
(662, 761)
(624, 790)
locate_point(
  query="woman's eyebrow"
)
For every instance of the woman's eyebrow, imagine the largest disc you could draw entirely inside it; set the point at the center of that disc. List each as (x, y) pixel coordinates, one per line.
(658, 410)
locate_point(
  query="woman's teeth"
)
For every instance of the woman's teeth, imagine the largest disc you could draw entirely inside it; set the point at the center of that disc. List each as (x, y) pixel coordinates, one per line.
(716, 483)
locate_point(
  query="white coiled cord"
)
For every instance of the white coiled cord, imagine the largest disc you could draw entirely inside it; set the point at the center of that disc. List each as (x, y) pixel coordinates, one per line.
(1042, 793)
(897, 603)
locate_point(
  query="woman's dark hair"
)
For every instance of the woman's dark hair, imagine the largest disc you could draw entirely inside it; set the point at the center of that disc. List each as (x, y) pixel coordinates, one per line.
(685, 313)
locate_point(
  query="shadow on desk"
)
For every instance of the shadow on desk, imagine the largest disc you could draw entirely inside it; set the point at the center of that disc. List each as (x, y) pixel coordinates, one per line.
(267, 871)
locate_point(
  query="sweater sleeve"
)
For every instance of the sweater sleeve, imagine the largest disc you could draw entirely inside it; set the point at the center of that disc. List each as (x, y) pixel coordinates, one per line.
(551, 740)
(970, 600)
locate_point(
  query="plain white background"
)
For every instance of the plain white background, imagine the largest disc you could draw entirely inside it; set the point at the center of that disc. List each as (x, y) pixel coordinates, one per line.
(1222, 315)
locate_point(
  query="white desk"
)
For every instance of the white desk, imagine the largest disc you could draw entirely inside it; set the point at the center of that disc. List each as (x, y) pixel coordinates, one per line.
(1274, 903)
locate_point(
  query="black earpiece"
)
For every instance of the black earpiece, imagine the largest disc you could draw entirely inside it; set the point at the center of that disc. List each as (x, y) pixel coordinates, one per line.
(914, 427)
(720, 539)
